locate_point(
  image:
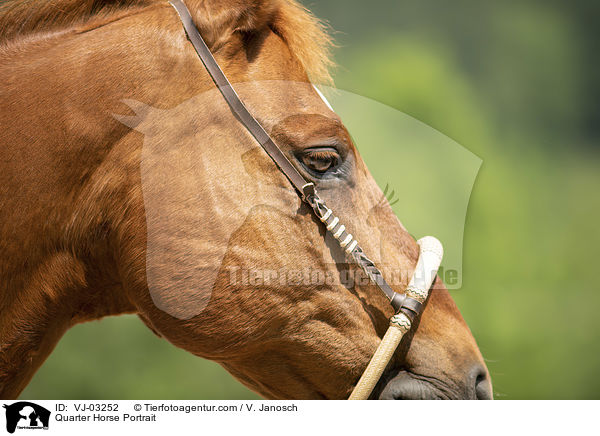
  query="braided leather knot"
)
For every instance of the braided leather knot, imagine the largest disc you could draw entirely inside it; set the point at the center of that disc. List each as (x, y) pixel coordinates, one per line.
(431, 245)
(401, 322)
(418, 294)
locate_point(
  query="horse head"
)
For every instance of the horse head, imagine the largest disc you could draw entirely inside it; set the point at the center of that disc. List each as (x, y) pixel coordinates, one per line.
(200, 234)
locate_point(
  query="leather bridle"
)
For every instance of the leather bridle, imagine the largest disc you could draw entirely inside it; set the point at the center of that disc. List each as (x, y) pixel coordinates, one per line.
(408, 305)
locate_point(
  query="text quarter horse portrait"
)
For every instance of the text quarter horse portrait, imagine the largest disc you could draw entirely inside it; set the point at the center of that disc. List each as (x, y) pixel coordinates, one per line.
(154, 152)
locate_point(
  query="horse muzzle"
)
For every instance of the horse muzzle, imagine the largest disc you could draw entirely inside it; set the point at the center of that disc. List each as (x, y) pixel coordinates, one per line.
(405, 385)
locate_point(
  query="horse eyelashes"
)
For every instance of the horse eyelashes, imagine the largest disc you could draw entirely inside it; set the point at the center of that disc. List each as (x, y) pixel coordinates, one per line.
(321, 160)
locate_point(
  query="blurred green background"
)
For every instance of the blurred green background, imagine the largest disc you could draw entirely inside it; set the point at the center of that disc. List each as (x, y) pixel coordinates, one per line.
(514, 82)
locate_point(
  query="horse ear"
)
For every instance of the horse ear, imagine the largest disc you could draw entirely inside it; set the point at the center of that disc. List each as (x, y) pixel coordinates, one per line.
(141, 112)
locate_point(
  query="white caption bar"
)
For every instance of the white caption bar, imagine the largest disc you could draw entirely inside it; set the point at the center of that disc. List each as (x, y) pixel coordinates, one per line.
(298, 417)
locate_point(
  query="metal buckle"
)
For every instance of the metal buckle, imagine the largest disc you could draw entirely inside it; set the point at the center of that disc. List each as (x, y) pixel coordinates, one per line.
(308, 191)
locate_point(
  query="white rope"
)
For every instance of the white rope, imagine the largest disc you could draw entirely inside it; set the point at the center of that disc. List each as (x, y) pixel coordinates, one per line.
(430, 257)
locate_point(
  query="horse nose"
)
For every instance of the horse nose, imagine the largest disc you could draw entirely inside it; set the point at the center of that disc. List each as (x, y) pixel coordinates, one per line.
(480, 382)
(475, 385)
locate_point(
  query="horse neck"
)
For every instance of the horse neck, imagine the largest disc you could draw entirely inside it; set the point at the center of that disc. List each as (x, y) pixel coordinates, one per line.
(74, 167)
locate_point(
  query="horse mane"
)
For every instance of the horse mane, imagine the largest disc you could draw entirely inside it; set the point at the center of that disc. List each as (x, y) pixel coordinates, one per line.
(24, 17)
(306, 35)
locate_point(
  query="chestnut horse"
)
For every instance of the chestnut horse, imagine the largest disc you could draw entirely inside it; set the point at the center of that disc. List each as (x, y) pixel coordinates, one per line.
(127, 186)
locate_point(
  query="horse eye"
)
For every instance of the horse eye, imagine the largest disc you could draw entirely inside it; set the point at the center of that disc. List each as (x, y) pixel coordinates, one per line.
(321, 160)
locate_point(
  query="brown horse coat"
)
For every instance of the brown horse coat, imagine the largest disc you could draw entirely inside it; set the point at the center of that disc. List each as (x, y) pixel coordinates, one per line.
(75, 229)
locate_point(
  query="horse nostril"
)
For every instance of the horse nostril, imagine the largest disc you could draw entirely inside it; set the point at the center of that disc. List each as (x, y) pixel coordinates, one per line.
(483, 388)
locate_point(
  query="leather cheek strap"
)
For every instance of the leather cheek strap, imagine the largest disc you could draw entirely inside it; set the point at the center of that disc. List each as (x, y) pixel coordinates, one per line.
(234, 101)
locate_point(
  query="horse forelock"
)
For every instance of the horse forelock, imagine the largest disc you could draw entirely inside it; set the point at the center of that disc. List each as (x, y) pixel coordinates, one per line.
(306, 35)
